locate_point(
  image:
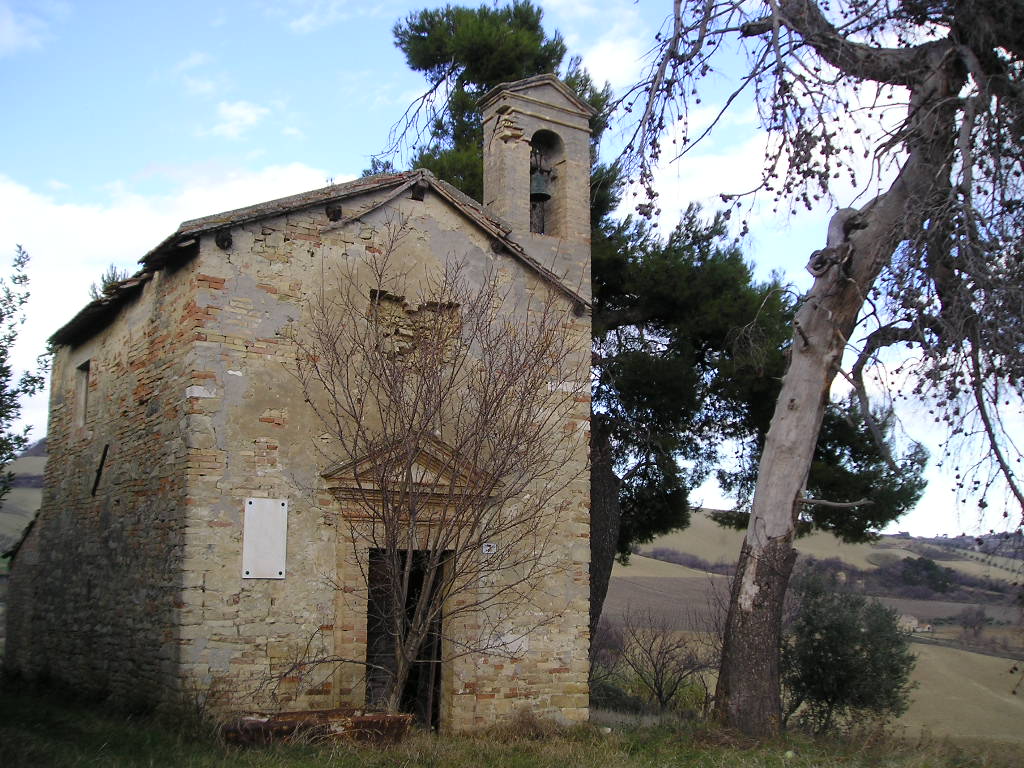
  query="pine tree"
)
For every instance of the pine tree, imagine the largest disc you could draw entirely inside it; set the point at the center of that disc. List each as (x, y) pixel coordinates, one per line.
(688, 347)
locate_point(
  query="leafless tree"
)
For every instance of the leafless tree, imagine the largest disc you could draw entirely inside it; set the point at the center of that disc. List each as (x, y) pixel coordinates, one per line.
(930, 263)
(662, 656)
(973, 620)
(451, 410)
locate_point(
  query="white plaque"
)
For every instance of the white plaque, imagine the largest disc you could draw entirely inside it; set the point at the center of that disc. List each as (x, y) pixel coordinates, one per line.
(265, 539)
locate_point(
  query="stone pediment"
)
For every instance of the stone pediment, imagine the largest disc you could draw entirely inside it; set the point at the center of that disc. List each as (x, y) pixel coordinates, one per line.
(545, 89)
(431, 471)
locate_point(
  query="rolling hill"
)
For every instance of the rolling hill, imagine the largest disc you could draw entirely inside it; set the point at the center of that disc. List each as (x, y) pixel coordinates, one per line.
(21, 502)
(960, 694)
(715, 544)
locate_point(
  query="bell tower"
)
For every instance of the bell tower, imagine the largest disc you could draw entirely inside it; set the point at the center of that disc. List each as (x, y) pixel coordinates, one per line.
(537, 172)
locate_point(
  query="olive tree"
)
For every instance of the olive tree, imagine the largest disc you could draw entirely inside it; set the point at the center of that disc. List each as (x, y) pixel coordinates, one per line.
(843, 657)
(13, 386)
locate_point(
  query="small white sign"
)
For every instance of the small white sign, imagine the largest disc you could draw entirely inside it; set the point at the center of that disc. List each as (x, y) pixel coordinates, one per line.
(265, 539)
(489, 547)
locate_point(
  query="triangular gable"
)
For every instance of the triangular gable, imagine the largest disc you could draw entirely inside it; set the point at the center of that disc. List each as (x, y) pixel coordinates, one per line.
(556, 94)
(182, 244)
(435, 470)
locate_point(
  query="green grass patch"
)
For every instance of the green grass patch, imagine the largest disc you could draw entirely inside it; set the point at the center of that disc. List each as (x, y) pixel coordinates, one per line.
(39, 730)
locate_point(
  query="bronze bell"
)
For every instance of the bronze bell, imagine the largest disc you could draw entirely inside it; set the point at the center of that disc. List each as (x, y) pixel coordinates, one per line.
(540, 186)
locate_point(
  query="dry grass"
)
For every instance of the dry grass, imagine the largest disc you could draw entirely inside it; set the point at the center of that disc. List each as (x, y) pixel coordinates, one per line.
(714, 543)
(964, 695)
(49, 731)
(960, 694)
(691, 596)
(649, 568)
(20, 504)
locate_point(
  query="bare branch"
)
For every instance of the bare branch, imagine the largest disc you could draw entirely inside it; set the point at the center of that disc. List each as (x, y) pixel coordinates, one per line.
(452, 408)
(834, 504)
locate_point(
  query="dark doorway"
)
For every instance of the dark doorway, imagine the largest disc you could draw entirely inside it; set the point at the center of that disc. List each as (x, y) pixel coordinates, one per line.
(421, 695)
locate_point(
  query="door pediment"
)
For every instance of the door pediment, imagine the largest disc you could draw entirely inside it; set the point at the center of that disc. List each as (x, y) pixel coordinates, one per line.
(431, 472)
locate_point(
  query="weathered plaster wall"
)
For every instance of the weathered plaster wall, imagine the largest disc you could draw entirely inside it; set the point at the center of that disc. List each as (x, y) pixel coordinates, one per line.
(94, 594)
(251, 435)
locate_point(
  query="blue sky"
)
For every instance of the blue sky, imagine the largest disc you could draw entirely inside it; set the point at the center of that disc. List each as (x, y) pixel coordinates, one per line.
(123, 119)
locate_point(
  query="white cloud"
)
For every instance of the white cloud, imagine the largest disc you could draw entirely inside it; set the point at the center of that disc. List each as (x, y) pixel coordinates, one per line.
(191, 71)
(26, 29)
(199, 86)
(236, 117)
(617, 59)
(617, 54)
(21, 30)
(192, 61)
(72, 243)
(293, 132)
(582, 9)
(320, 14)
(57, 186)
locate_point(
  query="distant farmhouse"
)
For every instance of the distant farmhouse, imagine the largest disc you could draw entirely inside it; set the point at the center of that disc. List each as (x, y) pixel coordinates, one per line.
(188, 541)
(910, 624)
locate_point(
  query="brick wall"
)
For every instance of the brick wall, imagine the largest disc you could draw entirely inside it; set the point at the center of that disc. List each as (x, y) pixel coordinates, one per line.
(95, 588)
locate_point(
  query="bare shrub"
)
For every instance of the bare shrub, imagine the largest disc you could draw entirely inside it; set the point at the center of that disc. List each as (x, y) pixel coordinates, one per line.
(663, 658)
(973, 620)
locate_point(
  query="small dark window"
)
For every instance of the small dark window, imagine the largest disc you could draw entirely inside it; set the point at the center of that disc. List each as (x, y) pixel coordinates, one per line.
(81, 394)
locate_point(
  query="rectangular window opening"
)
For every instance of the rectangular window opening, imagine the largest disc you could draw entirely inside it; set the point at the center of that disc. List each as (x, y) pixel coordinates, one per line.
(82, 394)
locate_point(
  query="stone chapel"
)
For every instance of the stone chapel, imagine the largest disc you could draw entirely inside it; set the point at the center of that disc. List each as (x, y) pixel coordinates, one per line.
(185, 544)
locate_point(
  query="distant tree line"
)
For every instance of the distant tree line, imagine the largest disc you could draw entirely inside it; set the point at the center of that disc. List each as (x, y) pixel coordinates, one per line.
(911, 578)
(669, 555)
(918, 578)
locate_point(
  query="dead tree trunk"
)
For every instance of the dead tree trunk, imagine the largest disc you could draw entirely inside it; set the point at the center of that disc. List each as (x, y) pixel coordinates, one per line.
(748, 686)
(747, 696)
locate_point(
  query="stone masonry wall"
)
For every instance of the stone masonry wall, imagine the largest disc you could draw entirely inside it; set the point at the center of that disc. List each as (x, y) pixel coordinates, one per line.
(94, 593)
(251, 435)
(248, 438)
(135, 587)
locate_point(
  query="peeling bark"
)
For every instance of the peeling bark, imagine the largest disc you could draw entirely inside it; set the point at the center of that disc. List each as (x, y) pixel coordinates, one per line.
(748, 682)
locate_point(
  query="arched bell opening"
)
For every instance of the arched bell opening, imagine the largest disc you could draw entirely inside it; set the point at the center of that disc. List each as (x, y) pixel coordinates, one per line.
(545, 202)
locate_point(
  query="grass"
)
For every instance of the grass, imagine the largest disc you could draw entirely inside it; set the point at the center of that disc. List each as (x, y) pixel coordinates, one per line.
(959, 694)
(963, 694)
(42, 730)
